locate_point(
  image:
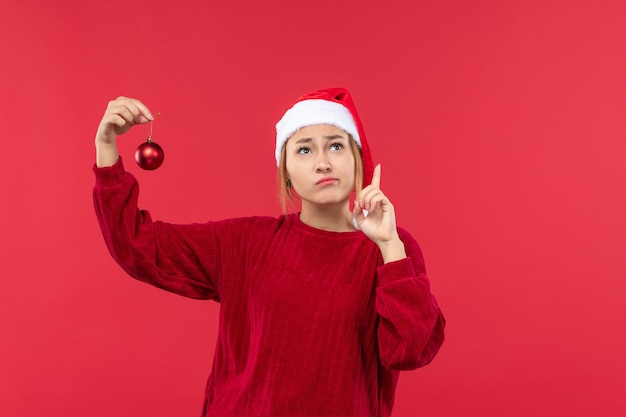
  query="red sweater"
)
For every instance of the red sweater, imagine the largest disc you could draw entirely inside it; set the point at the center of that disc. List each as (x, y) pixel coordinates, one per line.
(312, 323)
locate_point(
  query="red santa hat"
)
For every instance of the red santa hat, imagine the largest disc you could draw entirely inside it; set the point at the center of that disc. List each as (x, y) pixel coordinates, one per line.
(332, 106)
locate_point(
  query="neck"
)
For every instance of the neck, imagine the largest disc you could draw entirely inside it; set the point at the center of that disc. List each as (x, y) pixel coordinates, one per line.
(332, 218)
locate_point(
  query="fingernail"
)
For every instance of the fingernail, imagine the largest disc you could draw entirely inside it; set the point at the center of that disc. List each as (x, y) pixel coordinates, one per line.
(150, 116)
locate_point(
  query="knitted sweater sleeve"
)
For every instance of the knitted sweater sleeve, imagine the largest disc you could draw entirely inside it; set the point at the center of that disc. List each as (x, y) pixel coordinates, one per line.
(178, 258)
(411, 326)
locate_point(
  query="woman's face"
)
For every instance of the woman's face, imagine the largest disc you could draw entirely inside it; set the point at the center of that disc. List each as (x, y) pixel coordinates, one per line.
(320, 164)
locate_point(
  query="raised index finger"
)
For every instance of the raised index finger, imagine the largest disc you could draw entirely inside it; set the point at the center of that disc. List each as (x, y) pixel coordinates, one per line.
(376, 177)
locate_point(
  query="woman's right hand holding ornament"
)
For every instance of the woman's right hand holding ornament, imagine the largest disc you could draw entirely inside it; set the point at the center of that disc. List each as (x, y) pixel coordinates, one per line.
(121, 114)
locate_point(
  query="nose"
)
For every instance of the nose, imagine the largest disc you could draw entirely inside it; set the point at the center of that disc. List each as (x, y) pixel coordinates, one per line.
(322, 164)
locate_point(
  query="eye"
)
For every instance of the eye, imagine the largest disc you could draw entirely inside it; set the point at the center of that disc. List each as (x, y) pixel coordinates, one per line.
(304, 150)
(336, 146)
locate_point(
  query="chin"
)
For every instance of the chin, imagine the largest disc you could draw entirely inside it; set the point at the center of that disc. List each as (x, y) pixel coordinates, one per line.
(329, 201)
(326, 197)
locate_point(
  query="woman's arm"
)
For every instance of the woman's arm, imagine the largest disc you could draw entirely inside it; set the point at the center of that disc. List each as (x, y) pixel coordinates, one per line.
(178, 258)
(411, 326)
(410, 330)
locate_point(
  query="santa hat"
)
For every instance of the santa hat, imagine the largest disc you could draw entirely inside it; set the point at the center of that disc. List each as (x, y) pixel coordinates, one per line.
(332, 106)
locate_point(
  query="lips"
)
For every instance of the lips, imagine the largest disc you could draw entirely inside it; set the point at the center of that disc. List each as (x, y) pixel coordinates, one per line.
(326, 181)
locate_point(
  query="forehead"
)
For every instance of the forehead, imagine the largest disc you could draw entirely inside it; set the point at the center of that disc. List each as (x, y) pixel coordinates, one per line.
(321, 130)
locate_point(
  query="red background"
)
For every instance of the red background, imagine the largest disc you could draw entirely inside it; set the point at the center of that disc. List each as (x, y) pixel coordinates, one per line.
(500, 128)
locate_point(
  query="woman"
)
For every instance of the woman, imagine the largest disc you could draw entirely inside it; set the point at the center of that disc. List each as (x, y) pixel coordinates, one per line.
(320, 309)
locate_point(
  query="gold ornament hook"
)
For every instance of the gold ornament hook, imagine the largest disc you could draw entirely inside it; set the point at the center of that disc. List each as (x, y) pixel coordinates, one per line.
(152, 121)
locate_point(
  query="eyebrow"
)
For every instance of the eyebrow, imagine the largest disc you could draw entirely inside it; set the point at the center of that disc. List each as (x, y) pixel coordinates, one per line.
(329, 137)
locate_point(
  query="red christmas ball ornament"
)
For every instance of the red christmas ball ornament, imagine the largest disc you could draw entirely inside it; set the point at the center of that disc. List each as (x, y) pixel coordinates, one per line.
(149, 155)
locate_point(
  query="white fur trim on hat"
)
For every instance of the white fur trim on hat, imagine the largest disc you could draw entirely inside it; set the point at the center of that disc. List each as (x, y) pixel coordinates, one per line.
(314, 112)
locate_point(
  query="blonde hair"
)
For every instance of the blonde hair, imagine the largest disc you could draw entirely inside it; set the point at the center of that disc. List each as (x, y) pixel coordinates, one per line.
(286, 196)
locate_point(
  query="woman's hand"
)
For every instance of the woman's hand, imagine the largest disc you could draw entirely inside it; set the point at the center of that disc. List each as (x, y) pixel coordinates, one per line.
(380, 223)
(121, 114)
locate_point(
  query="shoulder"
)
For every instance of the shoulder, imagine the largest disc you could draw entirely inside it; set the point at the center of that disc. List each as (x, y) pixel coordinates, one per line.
(233, 228)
